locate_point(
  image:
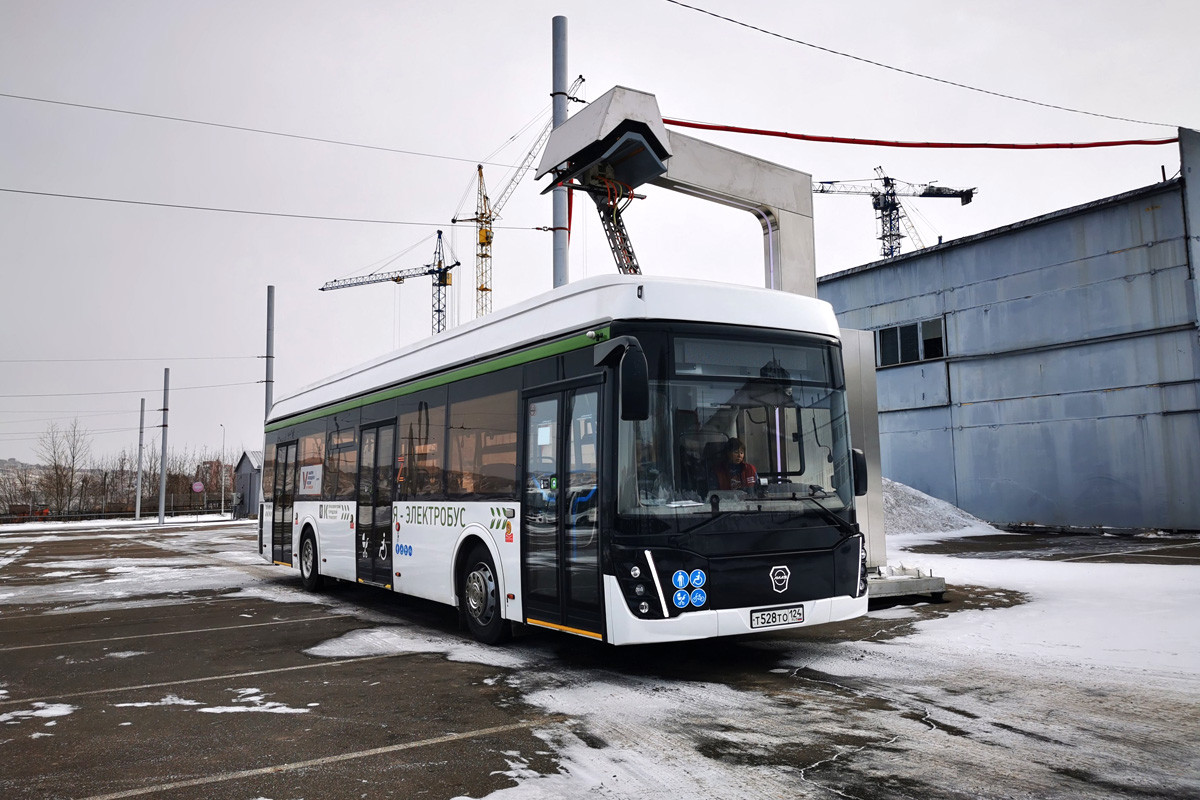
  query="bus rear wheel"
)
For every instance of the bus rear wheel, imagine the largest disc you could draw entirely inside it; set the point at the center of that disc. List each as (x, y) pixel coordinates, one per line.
(480, 595)
(310, 573)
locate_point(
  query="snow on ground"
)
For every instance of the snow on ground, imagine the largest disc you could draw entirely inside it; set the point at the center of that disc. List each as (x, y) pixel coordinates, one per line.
(1138, 621)
(148, 520)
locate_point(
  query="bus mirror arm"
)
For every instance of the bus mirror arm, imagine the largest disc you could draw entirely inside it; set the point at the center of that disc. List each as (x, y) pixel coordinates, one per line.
(860, 472)
(633, 385)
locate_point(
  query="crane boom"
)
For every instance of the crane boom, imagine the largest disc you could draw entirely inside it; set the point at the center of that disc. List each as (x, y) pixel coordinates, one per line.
(439, 269)
(487, 212)
(886, 201)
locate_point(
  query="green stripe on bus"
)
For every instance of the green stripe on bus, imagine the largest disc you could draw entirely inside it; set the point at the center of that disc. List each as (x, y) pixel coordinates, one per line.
(495, 365)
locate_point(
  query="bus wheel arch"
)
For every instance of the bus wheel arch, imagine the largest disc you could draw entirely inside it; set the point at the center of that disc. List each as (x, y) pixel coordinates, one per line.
(310, 560)
(480, 593)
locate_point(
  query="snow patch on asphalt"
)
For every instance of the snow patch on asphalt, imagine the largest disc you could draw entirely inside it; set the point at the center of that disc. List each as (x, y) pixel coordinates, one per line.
(37, 711)
(399, 640)
(169, 700)
(253, 701)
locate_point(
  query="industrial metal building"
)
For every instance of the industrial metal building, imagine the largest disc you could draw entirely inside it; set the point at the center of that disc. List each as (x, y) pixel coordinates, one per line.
(1047, 372)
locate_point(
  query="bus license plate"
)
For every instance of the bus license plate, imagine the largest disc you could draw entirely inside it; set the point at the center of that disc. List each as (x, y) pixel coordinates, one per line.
(765, 618)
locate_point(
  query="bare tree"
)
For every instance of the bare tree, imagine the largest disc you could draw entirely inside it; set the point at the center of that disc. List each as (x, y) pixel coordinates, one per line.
(17, 489)
(63, 451)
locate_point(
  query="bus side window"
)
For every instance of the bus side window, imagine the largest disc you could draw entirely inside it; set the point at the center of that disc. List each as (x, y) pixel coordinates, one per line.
(483, 446)
(420, 447)
(341, 465)
(312, 465)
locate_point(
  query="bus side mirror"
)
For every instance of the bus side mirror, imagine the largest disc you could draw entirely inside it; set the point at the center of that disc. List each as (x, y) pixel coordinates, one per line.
(633, 382)
(859, 460)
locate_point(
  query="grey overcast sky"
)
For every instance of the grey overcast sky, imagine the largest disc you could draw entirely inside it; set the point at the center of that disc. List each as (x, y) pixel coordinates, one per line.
(98, 297)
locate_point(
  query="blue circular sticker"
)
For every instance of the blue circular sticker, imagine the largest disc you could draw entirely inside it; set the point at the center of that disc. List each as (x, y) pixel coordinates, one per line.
(680, 579)
(681, 599)
(698, 597)
(698, 578)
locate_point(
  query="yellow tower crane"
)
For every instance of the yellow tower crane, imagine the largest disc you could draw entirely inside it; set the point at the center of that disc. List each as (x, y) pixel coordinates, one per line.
(487, 212)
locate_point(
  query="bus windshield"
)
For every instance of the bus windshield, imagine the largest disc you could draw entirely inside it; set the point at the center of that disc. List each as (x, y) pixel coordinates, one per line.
(739, 426)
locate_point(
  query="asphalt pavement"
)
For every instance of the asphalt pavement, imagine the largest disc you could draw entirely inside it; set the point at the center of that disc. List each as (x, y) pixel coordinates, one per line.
(161, 663)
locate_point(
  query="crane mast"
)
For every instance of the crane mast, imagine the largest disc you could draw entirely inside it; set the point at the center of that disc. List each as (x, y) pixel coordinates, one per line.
(438, 269)
(484, 218)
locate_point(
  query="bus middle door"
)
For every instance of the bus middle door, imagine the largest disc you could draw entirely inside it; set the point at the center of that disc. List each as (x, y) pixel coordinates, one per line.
(560, 511)
(376, 487)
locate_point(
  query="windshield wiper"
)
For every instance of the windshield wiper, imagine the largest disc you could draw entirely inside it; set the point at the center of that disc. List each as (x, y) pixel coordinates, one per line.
(830, 517)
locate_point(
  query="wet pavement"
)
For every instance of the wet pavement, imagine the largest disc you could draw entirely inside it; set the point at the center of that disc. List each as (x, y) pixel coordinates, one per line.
(1096, 548)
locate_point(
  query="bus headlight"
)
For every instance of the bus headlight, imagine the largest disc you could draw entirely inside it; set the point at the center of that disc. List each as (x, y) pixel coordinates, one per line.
(635, 571)
(644, 607)
(639, 590)
(862, 567)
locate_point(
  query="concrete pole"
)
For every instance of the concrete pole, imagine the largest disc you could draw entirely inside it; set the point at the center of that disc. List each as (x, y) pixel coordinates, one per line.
(137, 512)
(162, 464)
(559, 195)
(270, 351)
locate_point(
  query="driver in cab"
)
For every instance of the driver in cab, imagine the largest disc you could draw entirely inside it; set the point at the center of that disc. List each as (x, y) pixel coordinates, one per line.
(734, 472)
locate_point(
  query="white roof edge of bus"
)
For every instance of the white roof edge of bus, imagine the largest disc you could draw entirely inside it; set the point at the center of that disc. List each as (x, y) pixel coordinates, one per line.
(577, 307)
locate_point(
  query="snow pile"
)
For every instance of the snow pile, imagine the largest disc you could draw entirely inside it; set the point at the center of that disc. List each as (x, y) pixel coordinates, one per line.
(908, 511)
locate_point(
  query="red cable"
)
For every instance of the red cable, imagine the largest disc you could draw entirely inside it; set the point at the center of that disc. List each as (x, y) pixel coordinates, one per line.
(940, 145)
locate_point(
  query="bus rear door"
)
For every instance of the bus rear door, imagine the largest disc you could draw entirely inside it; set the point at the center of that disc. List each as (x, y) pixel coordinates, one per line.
(283, 499)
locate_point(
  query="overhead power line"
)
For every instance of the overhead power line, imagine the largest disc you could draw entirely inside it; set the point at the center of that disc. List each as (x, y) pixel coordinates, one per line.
(240, 210)
(706, 126)
(134, 391)
(911, 73)
(248, 129)
(105, 360)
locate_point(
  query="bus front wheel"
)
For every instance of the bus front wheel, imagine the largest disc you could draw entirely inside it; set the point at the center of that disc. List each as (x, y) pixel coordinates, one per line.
(310, 573)
(480, 594)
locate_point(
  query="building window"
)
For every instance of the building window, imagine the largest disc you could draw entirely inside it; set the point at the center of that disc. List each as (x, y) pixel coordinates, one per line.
(909, 343)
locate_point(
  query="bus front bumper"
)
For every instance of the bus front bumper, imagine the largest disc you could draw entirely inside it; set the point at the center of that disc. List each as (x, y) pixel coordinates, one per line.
(625, 628)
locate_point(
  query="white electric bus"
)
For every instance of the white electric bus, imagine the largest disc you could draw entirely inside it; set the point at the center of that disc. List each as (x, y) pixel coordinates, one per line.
(563, 464)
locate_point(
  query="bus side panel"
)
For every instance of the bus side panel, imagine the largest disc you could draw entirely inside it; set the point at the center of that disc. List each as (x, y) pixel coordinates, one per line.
(304, 512)
(266, 513)
(336, 540)
(426, 542)
(423, 548)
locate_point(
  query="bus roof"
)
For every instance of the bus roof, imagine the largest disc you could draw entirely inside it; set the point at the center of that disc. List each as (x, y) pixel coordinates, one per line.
(576, 308)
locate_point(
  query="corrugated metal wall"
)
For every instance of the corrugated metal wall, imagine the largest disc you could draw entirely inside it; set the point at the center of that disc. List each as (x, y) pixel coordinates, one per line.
(1068, 395)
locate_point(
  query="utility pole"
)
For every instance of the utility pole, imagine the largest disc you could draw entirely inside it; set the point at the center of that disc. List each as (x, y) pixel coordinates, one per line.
(270, 381)
(162, 466)
(137, 513)
(221, 469)
(559, 116)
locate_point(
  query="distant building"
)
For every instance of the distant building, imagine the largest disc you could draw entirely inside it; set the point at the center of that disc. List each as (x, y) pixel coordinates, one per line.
(1048, 372)
(247, 481)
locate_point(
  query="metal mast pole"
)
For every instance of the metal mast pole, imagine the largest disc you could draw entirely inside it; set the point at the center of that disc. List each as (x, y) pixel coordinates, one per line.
(162, 464)
(559, 94)
(137, 508)
(270, 350)
(221, 468)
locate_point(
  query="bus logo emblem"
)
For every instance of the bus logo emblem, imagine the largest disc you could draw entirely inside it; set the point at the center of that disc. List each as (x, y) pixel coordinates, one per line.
(779, 578)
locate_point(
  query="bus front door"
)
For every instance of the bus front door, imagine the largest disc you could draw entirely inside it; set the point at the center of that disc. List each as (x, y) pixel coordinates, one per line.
(283, 499)
(560, 512)
(376, 486)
